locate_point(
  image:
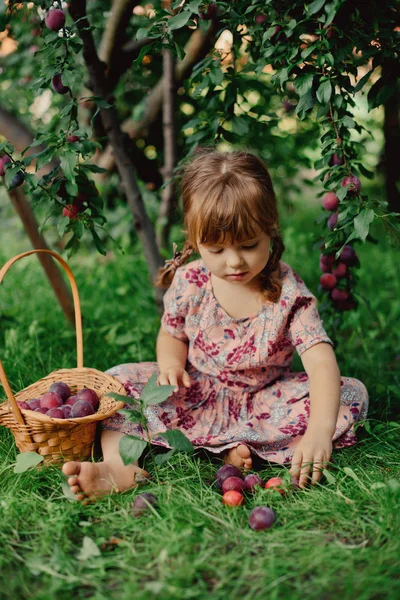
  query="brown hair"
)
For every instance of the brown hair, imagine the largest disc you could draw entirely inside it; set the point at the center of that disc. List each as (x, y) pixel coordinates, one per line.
(227, 198)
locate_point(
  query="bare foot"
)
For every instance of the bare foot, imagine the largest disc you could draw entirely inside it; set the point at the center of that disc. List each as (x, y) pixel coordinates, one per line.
(89, 481)
(240, 457)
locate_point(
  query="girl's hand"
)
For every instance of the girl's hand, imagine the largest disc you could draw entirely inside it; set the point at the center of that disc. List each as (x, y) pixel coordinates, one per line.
(311, 456)
(174, 376)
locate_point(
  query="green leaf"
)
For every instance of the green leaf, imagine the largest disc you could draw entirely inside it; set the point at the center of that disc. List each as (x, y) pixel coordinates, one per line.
(89, 549)
(363, 81)
(314, 7)
(93, 168)
(141, 33)
(362, 223)
(98, 242)
(348, 122)
(178, 440)
(303, 83)
(329, 477)
(351, 473)
(179, 20)
(26, 460)
(153, 393)
(342, 192)
(160, 459)
(131, 448)
(122, 398)
(62, 226)
(68, 164)
(133, 416)
(324, 92)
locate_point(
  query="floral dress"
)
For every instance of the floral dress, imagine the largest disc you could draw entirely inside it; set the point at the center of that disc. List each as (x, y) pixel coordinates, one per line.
(242, 387)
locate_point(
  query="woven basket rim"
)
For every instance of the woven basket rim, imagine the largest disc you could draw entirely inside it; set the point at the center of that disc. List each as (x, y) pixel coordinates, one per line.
(78, 420)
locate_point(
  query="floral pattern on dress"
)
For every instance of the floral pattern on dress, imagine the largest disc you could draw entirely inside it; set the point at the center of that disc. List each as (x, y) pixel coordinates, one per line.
(242, 387)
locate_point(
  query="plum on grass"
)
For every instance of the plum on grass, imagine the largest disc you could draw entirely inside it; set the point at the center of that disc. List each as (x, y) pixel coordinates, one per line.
(50, 400)
(262, 517)
(89, 396)
(275, 483)
(61, 388)
(233, 498)
(81, 408)
(55, 19)
(142, 503)
(251, 481)
(233, 483)
(225, 472)
(56, 413)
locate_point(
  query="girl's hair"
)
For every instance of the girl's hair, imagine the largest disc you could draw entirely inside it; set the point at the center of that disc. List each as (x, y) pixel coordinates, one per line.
(228, 198)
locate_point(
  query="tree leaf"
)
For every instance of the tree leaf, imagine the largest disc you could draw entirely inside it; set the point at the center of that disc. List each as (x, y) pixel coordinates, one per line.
(68, 163)
(179, 20)
(314, 7)
(89, 549)
(160, 459)
(324, 92)
(133, 416)
(26, 460)
(178, 440)
(362, 223)
(329, 477)
(303, 83)
(153, 393)
(131, 448)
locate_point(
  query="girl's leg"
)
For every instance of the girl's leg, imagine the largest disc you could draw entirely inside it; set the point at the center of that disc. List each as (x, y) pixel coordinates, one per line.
(89, 480)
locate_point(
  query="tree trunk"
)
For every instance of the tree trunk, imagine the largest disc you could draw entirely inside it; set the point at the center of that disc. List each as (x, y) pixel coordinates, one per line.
(391, 129)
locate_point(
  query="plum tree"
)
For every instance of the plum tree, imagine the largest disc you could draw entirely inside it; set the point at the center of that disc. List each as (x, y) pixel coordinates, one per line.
(55, 19)
(332, 221)
(348, 256)
(340, 270)
(330, 201)
(3, 161)
(354, 183)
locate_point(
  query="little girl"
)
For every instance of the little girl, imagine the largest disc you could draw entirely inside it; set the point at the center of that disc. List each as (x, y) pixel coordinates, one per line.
(232, 321)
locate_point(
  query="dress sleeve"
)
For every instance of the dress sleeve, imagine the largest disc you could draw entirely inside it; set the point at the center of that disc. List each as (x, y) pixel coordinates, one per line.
(304, 325)
(176, 308)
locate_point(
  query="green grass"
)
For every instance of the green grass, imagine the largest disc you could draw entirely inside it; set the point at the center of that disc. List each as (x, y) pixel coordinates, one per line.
(335, 540)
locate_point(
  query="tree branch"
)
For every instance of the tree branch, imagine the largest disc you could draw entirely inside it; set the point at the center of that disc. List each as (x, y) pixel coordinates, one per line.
(141, 220)
(116, 24)
(197, 47)
(169, 130)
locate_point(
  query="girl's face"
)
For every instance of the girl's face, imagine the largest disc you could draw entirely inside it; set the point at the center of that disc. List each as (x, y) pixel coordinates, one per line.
(239, 264)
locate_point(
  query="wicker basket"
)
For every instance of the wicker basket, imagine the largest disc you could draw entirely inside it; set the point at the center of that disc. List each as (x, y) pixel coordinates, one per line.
(58, 439)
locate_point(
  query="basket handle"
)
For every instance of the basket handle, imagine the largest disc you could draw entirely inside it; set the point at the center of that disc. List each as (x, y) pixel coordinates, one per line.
(78, 320)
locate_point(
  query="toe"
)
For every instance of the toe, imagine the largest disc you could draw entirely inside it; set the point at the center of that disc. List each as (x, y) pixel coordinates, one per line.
(75, 489)
(73, 481)
(71, 468)
(81, 497)
(248, 463)
(243, 451)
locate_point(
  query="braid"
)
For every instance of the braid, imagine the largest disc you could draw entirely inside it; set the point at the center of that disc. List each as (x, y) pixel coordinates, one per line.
(166, 273)
(270, 279)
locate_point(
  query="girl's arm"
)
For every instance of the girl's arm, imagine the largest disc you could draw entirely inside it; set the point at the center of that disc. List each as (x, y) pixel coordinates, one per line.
(320, 364)
(314, 450)
(171, 358)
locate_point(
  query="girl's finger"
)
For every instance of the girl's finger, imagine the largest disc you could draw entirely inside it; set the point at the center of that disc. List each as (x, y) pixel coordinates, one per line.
(296, 464)
(305, 470)
(173, 380)
(318, 466)
(162, 380)
(186, 379)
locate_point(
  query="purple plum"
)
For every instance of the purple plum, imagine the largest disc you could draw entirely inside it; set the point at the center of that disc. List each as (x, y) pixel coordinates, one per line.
(81, 408)
(89, 396)
(55, 19)
(56, 413)
(23, 405)
(61, 388)
(33, 403)
(50, 400)
(233, 483)
(225, 472)
(262, 517)
(251, 480)
(58, 86)
(141, 503)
